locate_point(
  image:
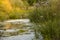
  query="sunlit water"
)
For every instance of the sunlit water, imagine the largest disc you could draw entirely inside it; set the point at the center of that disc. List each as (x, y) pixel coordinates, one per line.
(25, 36)
(19, 37)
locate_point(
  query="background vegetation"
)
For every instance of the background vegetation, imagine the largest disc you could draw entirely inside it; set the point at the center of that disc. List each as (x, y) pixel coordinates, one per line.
(47, 21)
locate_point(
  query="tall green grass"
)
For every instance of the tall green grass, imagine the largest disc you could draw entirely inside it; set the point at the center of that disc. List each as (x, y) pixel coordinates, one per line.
(47, 19)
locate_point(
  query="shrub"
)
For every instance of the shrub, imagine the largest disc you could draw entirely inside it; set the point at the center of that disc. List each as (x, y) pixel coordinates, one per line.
(48, 19)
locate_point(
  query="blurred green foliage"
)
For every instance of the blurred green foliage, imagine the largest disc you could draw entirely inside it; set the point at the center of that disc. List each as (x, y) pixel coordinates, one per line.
(12, 9)
(47, 21)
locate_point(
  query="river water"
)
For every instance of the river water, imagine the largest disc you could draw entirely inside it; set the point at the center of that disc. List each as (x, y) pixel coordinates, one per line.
(29, 35)
(25, 36)
(19, 37)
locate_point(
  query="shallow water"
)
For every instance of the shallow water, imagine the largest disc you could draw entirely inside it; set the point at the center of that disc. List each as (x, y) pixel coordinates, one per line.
(25, 36)
(19, 37)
